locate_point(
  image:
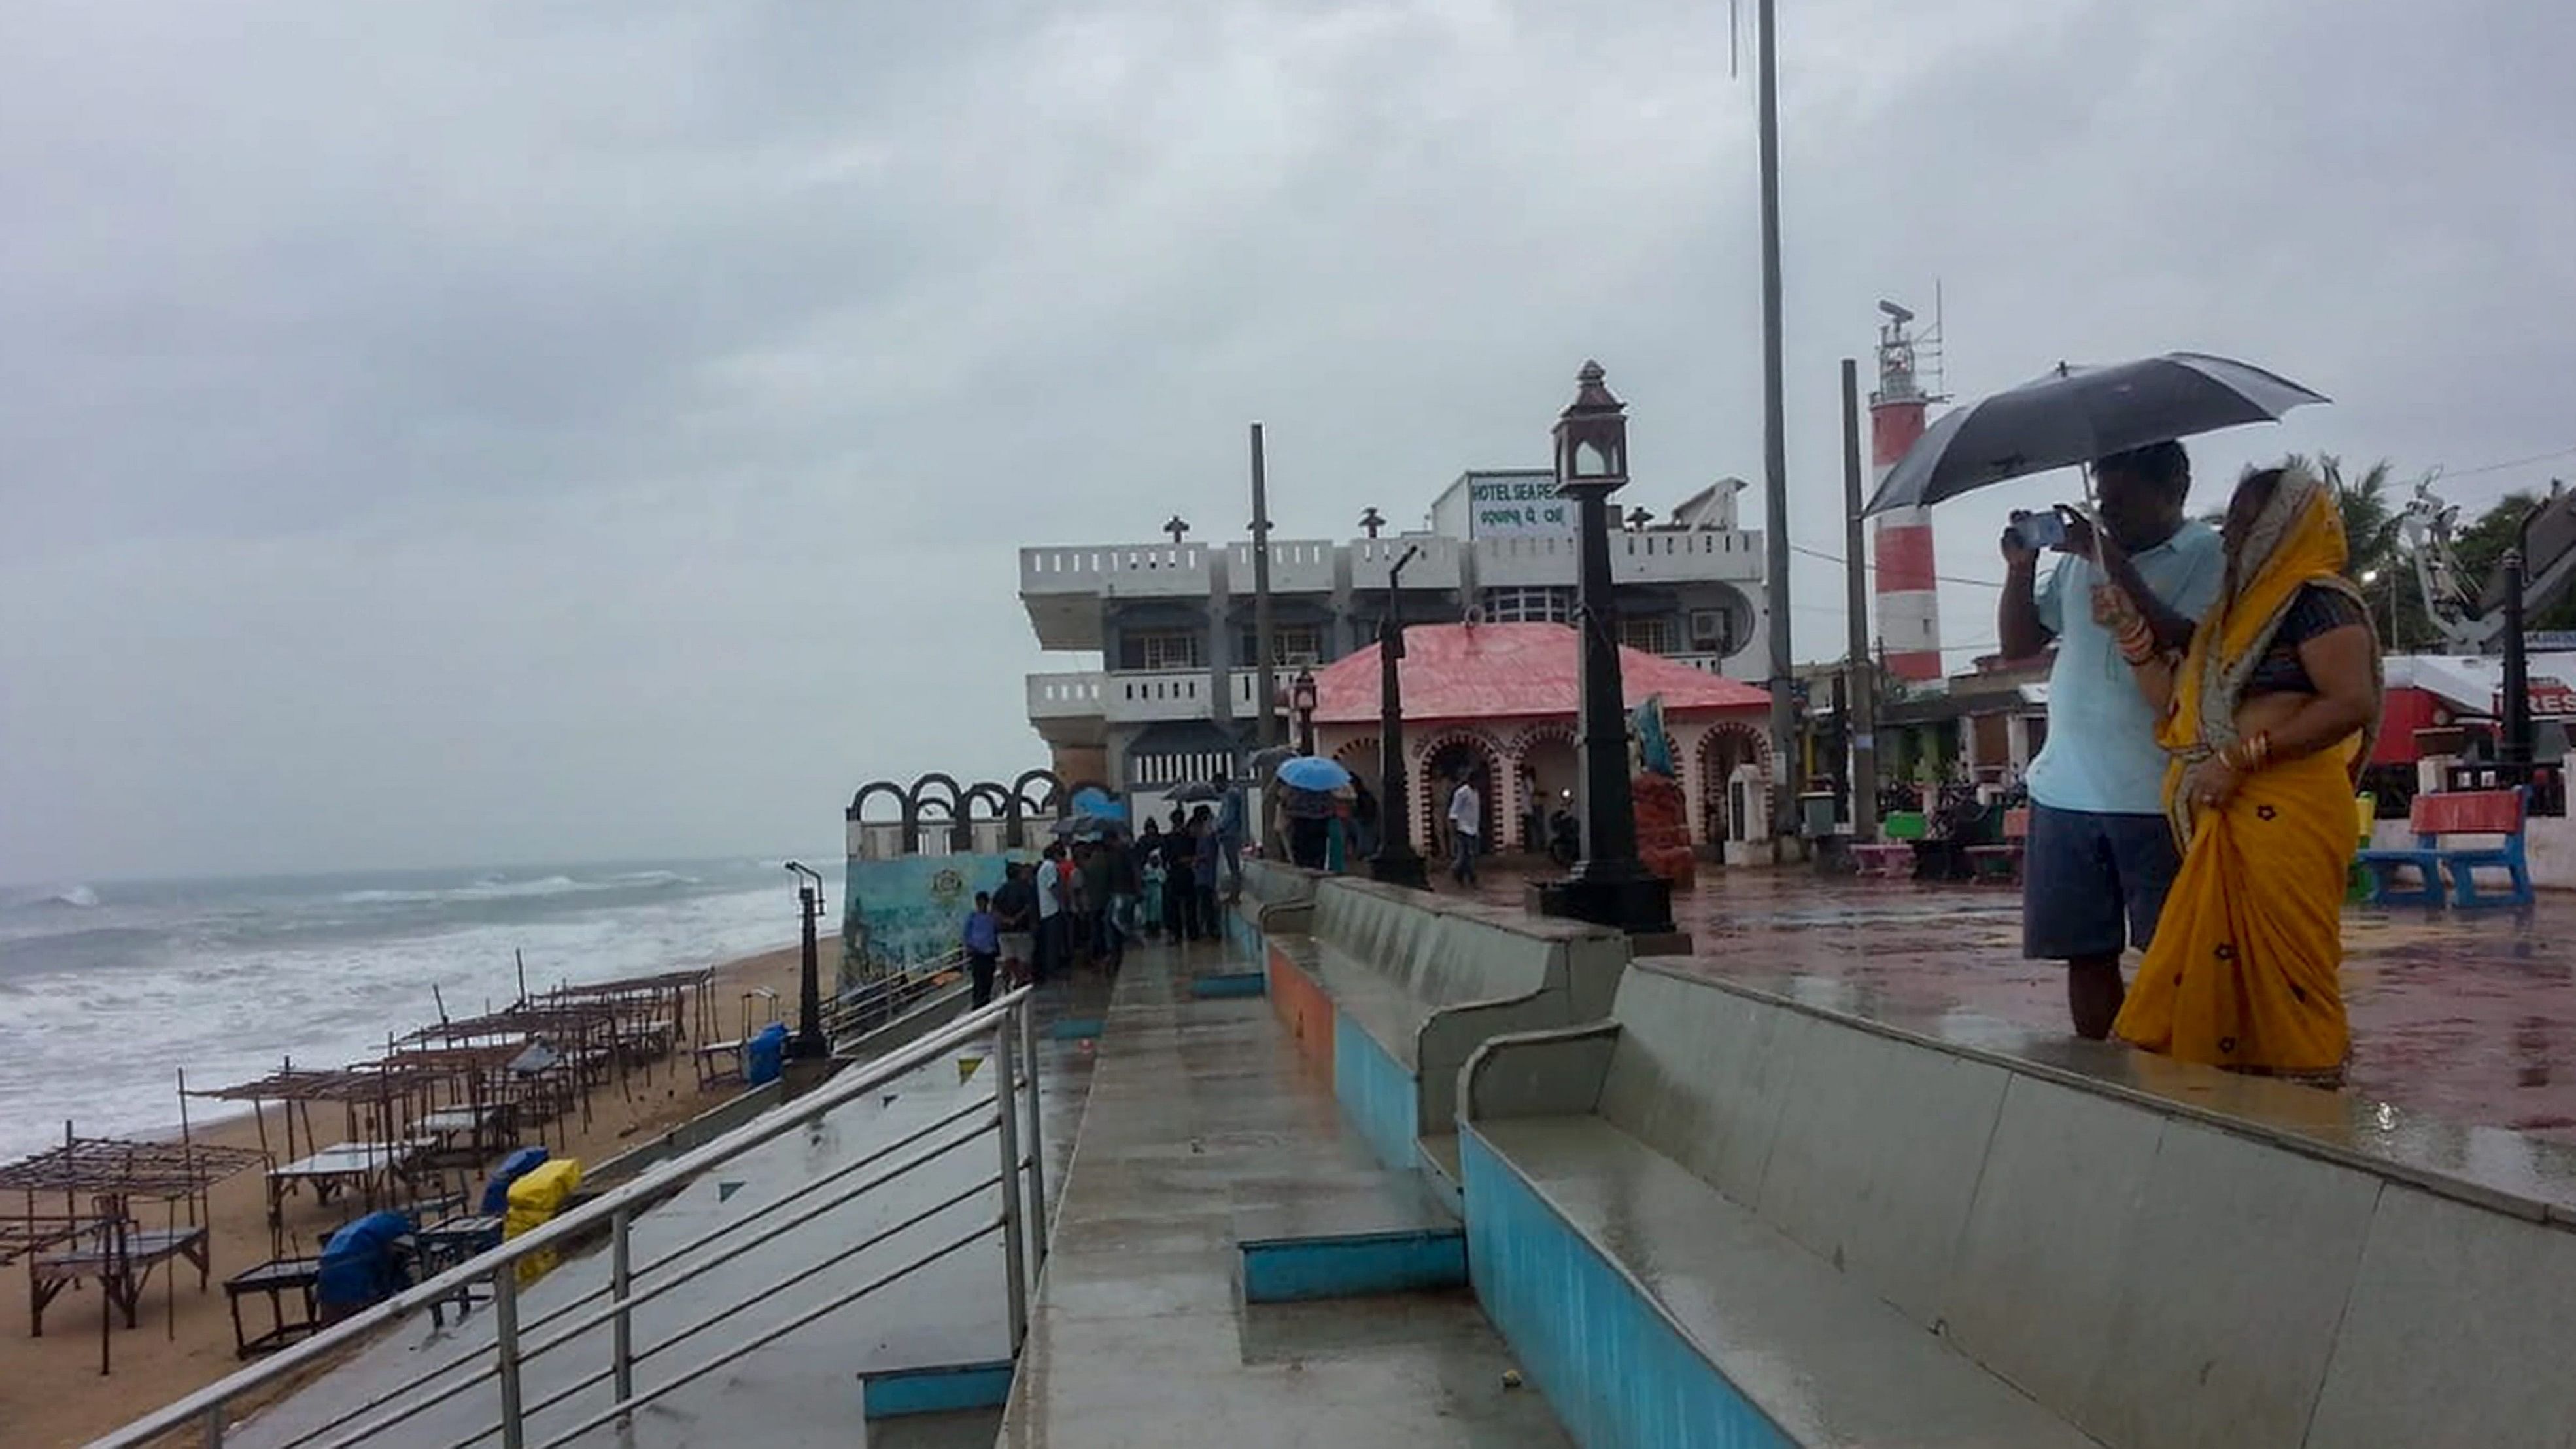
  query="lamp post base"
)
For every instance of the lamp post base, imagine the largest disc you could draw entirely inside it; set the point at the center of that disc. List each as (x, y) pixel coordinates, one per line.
(1640, 904)
(1405, 869)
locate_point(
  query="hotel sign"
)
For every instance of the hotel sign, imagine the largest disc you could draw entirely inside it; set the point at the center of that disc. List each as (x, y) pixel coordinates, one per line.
(1518, 508)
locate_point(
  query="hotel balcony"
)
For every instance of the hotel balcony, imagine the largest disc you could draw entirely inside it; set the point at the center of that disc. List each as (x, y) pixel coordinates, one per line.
(1302, 566)
(1652, 556)
(1077, 708)
(1435, 567)
(1063, 587)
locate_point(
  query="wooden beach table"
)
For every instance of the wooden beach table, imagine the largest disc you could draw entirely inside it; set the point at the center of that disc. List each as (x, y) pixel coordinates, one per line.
(121, 1255)
(275, 1278)
(368, 1167)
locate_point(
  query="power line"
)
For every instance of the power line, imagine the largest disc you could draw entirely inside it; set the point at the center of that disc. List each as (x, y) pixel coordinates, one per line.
(2440, 472)
(1836, 561)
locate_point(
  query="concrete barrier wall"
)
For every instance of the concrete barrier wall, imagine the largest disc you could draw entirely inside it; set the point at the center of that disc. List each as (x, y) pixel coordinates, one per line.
(2155, 1276)
(1415, 983)
(1277, 899)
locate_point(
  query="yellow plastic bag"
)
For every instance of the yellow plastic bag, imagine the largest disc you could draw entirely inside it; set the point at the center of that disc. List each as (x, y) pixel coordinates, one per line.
(534, 1200)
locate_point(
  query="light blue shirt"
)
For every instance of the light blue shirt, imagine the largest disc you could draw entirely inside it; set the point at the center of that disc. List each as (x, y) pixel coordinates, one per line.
(2101, 754)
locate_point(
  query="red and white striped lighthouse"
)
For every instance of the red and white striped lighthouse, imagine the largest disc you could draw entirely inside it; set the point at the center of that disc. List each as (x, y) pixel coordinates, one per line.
(1909, 602)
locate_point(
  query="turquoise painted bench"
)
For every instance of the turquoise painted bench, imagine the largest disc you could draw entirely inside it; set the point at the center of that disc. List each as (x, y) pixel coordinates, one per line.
(1726, 1218)
(1416, 982)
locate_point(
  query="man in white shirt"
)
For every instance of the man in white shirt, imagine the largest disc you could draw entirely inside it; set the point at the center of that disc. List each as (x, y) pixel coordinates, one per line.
(1054, 942)
(1466, 828)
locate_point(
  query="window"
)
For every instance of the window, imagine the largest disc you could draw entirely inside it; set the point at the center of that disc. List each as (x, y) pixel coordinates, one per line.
(1161, 649)
(1653, 633)
(1529, 605)
(1289, 644)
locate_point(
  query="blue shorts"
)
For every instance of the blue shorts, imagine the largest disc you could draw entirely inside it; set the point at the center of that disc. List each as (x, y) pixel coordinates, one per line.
(2092, 884)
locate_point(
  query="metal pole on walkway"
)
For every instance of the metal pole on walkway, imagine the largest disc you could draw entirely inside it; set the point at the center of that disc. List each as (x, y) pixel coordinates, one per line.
(1037, 1138)
(1006, 1046)
(1860, 714)
(1265, 697)
(505, 1346)
(1775, 441)
(621, 1284)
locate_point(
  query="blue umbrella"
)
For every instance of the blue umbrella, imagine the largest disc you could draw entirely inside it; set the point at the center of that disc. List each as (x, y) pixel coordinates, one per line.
(1313, 772)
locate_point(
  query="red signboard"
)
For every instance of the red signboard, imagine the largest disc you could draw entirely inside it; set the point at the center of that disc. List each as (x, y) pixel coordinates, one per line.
(2550, 698)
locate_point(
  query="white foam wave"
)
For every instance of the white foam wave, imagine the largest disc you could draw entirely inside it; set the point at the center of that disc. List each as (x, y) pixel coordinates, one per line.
(73, 897)
(228, 1012)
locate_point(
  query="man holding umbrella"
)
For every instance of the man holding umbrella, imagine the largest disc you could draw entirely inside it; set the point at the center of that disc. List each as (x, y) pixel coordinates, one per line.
(2100, 855)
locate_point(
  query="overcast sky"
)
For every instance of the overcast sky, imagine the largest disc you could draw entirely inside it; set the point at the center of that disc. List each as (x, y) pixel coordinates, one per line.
(453, 433)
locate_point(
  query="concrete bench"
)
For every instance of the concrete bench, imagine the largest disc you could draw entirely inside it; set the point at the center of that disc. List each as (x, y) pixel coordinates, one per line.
(1727, 1217)
(1392, 989)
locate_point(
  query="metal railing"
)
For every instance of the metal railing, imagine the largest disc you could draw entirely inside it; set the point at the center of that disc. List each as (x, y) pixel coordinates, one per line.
(1011, 1116)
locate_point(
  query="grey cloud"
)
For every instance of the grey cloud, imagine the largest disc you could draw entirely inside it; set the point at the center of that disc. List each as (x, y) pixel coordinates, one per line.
(599, 429)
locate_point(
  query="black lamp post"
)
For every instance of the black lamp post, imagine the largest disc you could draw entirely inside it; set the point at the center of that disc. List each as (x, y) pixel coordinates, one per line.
(809, 1041)
(1609, 885)
(1301, 699)
(1396, 861)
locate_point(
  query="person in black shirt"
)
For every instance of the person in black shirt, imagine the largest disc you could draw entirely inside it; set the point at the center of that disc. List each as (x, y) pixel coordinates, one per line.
(1015, 910)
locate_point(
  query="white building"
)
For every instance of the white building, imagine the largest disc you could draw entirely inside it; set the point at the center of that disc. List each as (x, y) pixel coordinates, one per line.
(1163, 691)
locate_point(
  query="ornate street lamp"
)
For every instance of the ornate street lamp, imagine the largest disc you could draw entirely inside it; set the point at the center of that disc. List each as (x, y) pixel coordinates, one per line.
(1396, 861)
(1609, 885)
(809, 1040)
(1371, 521)
(1301, 699)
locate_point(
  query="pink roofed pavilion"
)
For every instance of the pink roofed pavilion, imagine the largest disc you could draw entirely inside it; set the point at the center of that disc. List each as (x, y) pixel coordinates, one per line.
(1498, 700)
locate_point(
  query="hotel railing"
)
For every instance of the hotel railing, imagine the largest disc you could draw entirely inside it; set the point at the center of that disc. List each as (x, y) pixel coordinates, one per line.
(1010, 1117)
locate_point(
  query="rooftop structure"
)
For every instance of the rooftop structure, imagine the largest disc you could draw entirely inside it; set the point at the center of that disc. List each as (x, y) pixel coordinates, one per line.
(1170, 691)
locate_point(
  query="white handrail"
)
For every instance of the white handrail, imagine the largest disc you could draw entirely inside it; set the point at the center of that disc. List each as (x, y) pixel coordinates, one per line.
(652, 1184)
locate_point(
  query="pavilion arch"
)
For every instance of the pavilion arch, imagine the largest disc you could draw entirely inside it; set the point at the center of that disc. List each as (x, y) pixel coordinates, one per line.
(1723, 747)
(937, 801)
(1359, 755)
(1025, 809)
(1546, 763)
(1446, 750)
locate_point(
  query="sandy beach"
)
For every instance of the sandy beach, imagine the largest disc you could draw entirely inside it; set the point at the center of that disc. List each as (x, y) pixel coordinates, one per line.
(51, 1393)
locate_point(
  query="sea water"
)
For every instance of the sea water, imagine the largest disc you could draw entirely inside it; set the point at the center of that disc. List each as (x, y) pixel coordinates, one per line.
(108, 989)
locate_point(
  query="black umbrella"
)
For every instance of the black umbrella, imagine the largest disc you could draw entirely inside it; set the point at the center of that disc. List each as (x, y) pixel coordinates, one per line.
(1193, 793)
(2077, 414)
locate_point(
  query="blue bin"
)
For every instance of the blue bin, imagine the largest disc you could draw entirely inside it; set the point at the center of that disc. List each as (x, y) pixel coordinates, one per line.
(766, 1055)
(496, 1193)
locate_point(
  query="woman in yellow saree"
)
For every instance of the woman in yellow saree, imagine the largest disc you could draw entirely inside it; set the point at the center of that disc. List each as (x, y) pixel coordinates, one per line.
(2268, 716)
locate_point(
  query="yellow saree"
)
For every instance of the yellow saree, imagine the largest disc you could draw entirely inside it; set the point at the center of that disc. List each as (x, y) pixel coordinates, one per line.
(2242, 971)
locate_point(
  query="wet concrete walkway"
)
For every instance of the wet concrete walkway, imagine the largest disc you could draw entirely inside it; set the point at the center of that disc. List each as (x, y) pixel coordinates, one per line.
(1201, 1118)
(2469, 1017)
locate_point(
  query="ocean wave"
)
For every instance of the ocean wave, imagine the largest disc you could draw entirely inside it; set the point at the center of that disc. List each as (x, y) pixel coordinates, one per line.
(49, 898)
(501, 888)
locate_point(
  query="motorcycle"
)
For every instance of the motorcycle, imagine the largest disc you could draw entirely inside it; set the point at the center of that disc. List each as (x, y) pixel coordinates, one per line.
(1564, 838)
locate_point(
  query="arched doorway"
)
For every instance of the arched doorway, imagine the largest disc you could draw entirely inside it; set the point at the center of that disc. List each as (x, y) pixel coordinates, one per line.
(1724, 749)
(1550, 772)
(1447, 757)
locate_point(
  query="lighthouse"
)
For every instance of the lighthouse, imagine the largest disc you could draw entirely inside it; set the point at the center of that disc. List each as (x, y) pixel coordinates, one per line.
(1909, 604)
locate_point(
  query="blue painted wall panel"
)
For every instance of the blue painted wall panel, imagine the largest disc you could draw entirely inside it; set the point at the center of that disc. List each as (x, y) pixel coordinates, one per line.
(901, 1393)
(1352, 1267)
(1376, 1093)
(1615, 1372)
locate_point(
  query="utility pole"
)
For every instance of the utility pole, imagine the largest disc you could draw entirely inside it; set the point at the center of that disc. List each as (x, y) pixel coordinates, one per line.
(1860, 714)
(1775, 441)
(1265, 701)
